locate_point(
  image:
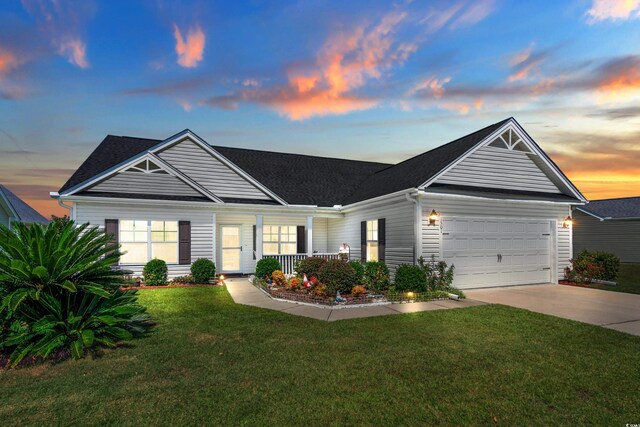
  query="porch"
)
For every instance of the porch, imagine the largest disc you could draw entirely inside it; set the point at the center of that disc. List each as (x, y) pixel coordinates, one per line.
(243, 239)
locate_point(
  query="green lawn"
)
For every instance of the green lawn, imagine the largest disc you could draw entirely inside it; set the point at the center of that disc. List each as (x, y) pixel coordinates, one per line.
(628, 280)
(210, 361)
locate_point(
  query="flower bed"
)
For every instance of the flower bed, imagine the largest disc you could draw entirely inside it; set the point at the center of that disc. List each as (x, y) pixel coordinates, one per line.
(304, 296)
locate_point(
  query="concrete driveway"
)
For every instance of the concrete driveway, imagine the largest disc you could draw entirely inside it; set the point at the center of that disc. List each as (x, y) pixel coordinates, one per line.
(614, 310)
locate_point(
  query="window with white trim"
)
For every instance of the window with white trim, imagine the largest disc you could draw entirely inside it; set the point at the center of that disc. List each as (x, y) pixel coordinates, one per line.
(372, 240)
(141, 241)
(279, 239)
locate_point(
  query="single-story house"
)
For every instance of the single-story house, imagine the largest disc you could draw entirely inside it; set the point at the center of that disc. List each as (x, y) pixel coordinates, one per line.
(13, 209)
(611, 225)
(492, 203)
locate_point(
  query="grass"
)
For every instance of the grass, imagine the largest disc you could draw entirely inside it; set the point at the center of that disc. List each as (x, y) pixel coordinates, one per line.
(628, 280)
(210, 361)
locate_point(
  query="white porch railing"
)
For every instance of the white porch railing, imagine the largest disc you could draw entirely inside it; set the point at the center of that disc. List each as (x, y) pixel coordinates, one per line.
(288, 262)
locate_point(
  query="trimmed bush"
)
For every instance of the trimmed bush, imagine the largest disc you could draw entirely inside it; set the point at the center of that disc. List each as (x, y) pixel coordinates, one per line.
(310, 266)
(358, 266)
(203, 270)
(338, 276)
(376, 276)
(266, 267)
(155, 273)
(410, 278)
(607, 264)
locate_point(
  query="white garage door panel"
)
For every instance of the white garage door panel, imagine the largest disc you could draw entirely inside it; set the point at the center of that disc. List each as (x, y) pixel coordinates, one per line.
(473, 245)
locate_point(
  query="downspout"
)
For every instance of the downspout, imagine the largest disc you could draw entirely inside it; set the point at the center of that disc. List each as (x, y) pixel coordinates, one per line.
(70, 208)
(417, 225)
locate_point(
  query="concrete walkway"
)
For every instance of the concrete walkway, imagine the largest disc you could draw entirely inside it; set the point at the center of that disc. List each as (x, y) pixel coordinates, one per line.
(245, 293)
(614, 310)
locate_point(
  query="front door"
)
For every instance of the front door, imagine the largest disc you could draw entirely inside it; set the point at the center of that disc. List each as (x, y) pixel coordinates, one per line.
(231, 248)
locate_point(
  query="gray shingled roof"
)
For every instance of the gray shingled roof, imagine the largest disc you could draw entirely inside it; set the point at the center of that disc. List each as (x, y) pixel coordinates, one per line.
(25, 212)
(627, 207)
(301, 179)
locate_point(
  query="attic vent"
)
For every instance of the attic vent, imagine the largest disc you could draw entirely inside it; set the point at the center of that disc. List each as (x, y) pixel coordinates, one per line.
(147, 166)
(510, 141)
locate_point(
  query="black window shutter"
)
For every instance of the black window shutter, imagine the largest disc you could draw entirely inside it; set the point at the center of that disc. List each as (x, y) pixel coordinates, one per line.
(302, 245)
(382, 238)
(255, 242)
(363, 240)
(184, 242)
(111, 230)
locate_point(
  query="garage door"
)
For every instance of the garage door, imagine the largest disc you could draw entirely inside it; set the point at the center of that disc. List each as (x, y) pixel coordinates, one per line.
(497, 252)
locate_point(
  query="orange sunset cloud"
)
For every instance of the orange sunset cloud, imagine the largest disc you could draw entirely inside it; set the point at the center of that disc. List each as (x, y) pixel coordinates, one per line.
(189, 50)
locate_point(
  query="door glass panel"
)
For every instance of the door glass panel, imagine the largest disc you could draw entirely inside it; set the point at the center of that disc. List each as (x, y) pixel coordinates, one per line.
(230, 237)
(231, 248)
(231, 260)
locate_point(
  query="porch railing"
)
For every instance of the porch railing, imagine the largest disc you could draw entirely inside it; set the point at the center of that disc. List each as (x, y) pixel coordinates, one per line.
(288, 262)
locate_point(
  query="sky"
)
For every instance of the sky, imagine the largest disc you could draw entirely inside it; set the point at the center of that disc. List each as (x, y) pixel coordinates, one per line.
(370, 80)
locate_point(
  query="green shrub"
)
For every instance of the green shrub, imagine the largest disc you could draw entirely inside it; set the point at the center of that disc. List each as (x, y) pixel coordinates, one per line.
(310, 266)
(376, 276)
(439, 274)
(203, 270)
(155, 273)
(60, 292)
(337, 275)
(266, 267)
(358, 266)
(410, 278)
(607, 264)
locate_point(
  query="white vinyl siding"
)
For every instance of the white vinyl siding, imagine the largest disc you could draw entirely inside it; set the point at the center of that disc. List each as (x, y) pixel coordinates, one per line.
(451, 207)
(201, 226)
(146, 183)
(399, 214)
(491, 167)
(620, 237)
(210, 172)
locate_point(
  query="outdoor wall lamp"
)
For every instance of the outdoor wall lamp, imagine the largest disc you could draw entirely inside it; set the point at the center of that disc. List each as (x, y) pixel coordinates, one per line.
(433, 217)
(567, 222)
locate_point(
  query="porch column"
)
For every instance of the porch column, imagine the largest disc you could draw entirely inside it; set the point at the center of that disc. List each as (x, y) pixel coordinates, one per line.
(309, 235)
(214, 249)
(258, 237)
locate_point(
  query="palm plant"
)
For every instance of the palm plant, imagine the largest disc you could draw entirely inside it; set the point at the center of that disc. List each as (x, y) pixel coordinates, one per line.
(60, 291)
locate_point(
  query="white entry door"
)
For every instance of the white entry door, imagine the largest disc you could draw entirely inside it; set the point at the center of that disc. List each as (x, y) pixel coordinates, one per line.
(497, 252)
(231, 248)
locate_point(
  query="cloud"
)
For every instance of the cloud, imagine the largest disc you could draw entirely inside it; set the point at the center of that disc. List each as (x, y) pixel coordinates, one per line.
(613, 10)
(8, 62)
(190, 50)
(476, 12)
(599, 164)
(75, 50)
(617, 113)
(619, 79)
(62, 22)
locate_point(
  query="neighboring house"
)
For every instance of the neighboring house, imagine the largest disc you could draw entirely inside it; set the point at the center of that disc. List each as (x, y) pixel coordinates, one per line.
(611, 225)
(492, 203)
(13, 209)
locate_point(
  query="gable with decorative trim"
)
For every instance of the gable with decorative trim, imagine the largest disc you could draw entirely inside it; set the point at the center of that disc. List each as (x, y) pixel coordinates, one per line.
(210, 172)
(505, 161)
(145, 177)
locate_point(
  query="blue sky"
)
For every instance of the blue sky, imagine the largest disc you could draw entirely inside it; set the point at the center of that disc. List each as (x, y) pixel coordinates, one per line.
(370, 80)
